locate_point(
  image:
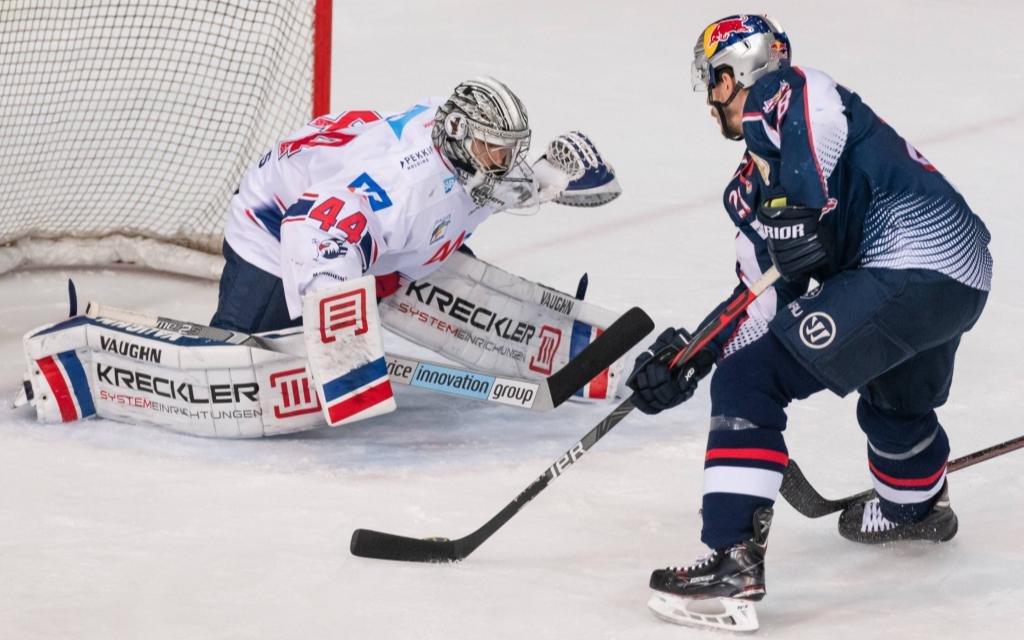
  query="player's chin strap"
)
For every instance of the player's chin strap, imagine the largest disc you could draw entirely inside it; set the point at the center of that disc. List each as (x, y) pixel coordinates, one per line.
(720, 108)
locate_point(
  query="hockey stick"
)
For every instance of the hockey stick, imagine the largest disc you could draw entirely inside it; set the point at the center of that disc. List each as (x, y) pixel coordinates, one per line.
(387, 546)
(537, 394)
(798, 491)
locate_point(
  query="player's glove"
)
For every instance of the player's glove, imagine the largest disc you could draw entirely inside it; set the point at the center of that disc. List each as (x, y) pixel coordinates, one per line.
(795, 240)
(572, 172)
(655, 387)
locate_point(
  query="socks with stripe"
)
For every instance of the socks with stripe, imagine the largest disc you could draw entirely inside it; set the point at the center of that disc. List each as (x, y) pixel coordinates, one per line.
(742, 472)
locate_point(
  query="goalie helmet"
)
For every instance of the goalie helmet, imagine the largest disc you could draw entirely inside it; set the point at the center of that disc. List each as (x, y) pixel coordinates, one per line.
(752, 46)
(485, 132)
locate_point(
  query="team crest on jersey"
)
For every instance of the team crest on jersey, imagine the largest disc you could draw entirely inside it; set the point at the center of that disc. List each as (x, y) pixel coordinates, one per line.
(449, 184)
(779, 101)
(330, 249)
(762, 167)
(440, 228)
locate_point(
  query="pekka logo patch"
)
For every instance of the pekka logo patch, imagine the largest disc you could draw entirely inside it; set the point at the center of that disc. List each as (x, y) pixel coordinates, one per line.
(817, 330)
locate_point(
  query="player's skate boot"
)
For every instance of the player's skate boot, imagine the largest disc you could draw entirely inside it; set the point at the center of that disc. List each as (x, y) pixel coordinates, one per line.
(720, 589)
(864, 522)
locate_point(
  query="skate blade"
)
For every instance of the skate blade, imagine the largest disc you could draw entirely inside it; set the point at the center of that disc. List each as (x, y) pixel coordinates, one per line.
(728, 614)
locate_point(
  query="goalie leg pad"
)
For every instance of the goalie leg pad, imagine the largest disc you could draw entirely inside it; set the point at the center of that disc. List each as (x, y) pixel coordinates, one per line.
(62, 387)
(133, 374)
(495, 322)
(346, 351)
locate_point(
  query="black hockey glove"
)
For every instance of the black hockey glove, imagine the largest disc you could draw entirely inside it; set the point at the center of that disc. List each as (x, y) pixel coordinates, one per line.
(655, 388)
(795, 241)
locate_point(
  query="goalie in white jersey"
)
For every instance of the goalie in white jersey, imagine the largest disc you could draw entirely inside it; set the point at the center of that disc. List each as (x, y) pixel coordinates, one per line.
(330, 221)
(363, 193)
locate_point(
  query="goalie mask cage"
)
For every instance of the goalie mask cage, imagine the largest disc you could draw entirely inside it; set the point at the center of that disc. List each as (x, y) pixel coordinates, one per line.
(125, 125)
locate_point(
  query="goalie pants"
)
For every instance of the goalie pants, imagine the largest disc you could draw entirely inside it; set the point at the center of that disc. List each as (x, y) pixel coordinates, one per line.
(250, 299)
(890, 334)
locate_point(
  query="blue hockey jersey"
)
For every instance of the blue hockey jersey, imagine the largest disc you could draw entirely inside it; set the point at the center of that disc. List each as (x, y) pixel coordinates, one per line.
(883, 204)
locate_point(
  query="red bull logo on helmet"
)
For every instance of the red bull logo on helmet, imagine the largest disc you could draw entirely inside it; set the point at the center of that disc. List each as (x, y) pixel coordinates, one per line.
(722, 30)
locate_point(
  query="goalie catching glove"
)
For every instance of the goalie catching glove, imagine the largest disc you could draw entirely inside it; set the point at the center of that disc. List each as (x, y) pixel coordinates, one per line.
(657, 388)
(572, 172)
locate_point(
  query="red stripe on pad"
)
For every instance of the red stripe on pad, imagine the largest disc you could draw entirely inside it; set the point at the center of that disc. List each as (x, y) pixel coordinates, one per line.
(360, 402)
(907, 482)
(748, 454)
(59, 387)
(599, 385)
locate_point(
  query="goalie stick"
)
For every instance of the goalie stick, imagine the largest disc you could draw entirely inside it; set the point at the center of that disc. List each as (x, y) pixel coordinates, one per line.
(798, 491)
(368, 543)
(548, 392)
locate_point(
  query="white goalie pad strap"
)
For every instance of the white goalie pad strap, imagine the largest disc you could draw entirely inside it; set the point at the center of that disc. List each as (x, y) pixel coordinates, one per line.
(84, 367)
(345, 350)
(488, 319)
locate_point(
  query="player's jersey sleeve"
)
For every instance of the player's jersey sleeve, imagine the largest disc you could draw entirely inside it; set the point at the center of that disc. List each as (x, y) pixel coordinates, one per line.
(326, 237)
(797, 116)
(747, 188)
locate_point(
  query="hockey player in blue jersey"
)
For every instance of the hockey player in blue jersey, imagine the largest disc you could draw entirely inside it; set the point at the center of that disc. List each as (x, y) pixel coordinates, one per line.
(828, 191)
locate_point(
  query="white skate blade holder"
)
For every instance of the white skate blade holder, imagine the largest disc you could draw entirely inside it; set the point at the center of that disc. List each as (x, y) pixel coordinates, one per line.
(726, 614)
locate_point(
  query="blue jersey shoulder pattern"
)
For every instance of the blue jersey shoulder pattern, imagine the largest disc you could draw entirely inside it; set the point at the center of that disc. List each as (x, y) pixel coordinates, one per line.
(885, 205)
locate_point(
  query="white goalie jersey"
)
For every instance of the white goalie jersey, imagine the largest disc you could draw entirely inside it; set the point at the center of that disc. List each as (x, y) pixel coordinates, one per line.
(356, 193)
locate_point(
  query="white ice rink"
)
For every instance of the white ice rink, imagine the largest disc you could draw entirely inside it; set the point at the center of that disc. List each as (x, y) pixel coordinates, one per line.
(113, 531)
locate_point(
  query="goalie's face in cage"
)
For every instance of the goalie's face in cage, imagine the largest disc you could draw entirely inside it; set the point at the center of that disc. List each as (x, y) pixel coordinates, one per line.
(495, 158)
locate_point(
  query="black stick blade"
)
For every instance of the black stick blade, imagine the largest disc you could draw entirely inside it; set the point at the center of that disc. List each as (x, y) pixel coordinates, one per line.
(620, 336)
(367, 543)
(798, 492)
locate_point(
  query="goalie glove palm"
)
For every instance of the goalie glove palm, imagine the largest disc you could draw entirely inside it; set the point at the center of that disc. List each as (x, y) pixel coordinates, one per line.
(587, 180)
(657, 388)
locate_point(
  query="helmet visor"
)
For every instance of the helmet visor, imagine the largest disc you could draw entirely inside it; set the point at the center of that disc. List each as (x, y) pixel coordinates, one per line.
(701, 75)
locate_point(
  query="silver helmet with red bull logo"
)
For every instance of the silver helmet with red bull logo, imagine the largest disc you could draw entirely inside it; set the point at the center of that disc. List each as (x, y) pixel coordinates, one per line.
(752, 46)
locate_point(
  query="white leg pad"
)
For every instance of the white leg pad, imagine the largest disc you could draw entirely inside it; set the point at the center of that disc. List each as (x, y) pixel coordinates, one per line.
(346, 351)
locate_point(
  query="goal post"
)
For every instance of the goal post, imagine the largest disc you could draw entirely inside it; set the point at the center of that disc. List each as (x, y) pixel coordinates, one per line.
(126, 125)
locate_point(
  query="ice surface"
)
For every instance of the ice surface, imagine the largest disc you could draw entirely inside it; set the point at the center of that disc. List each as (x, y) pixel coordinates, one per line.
(119, 531)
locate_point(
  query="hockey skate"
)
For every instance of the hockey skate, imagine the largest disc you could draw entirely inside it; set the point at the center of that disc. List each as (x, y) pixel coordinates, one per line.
(719, 591)
(864, 522)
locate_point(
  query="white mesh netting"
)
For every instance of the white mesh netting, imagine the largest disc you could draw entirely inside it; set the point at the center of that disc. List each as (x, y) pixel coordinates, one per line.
(134, 119)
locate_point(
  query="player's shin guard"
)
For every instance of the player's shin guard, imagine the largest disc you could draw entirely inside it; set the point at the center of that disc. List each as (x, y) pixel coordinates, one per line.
(743, 470)
(907, 459)
(747, 454)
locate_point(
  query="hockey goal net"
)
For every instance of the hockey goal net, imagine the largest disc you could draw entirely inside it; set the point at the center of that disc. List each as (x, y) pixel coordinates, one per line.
(126, 124)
